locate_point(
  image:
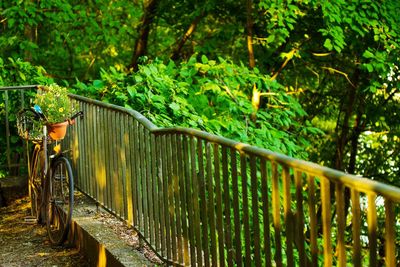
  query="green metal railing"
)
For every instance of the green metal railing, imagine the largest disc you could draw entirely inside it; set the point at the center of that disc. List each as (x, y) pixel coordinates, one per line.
(199, 199)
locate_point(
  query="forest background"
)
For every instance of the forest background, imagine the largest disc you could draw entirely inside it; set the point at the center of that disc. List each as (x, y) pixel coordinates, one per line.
(313, 79)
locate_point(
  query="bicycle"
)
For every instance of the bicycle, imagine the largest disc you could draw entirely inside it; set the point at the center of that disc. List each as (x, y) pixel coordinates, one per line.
(51, 181)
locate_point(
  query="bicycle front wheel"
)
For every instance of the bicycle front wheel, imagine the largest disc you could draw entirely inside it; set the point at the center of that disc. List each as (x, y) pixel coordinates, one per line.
(60, 200)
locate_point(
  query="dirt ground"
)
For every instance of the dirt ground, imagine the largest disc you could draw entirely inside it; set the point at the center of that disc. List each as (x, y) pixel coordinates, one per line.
(26, 244)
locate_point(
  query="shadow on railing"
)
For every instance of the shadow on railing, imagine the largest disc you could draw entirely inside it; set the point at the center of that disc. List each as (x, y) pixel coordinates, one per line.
(200, 199)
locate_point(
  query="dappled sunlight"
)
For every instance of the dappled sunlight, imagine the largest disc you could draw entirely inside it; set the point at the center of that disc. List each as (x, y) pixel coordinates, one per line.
(75, 149)
(240, 146)
(102, 257)
(101, 177)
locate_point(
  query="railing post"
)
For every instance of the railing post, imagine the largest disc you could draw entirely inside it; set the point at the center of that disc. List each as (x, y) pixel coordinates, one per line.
(8, 152)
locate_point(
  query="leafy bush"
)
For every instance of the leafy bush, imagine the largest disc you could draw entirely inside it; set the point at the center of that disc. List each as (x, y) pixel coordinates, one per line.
(16, 72)
(210, 95)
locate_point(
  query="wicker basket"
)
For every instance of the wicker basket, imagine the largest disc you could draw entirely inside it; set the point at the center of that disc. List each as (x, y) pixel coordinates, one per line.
(29, 125)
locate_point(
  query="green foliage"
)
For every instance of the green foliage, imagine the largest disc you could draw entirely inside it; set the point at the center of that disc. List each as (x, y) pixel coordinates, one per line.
(211, 95)
(16, 72)
(69, 38)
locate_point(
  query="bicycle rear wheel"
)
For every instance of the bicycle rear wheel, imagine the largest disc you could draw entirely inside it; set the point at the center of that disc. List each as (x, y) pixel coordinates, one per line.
(36, 184)
(60, 200)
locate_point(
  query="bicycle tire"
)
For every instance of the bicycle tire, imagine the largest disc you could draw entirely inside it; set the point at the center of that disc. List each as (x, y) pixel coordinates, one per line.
(60, 200)
(36, 182)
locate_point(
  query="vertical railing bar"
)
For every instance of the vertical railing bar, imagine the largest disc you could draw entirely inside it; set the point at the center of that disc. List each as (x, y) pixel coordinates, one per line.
(211, 205)
(326, 221)
(165, 171)
(189, 198)
(176, 194)
(246, 218)
(125, 167)
(94, 162)
(255, 209)
(227, 209)
(112, 191)
(7, 130)
(89, 151)
(313, 220)
(138, 160)
(149, 185)
(103, 125)
(356, 228)
(118, 165)
(372, 230)
(110, 173)
(300, 219)
(143, 181)
(134, 176)
(288, 216)
(86, 151)
(156, 208)
(80, 156)
(196, 208)
(100, 161)
(130, 171)
(82, 161)
(74, 152)
(236, 211)
(91, 137)
(276, 214)
(390, 234)
(171, 193)
(218, 200)
(183, 199)
(139, 170)
(161, 193)
(116, 169)
(266, 211)
(25, 152)
(341, 224)
(204, 209)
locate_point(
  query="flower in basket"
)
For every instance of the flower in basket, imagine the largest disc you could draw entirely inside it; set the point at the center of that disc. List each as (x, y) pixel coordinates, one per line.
(55, 103)
(57, 108)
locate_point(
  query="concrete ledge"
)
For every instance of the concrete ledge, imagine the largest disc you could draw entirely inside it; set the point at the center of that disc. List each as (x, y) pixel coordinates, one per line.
(99, 243)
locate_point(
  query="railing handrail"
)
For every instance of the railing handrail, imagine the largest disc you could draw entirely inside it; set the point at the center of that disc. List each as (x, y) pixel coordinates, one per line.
(19, 87)
(142, 119)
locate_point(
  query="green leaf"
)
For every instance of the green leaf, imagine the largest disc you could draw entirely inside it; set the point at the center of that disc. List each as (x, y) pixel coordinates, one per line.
(368, 54)
(98, 84)
(328, 44)
(204, 59)
(22, 75)
(369, 67)
(174, 106)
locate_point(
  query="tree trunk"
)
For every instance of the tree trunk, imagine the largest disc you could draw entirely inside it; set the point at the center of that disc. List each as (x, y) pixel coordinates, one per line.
(249, 30)
(179, 45)
(343, 129)
(147, 19)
